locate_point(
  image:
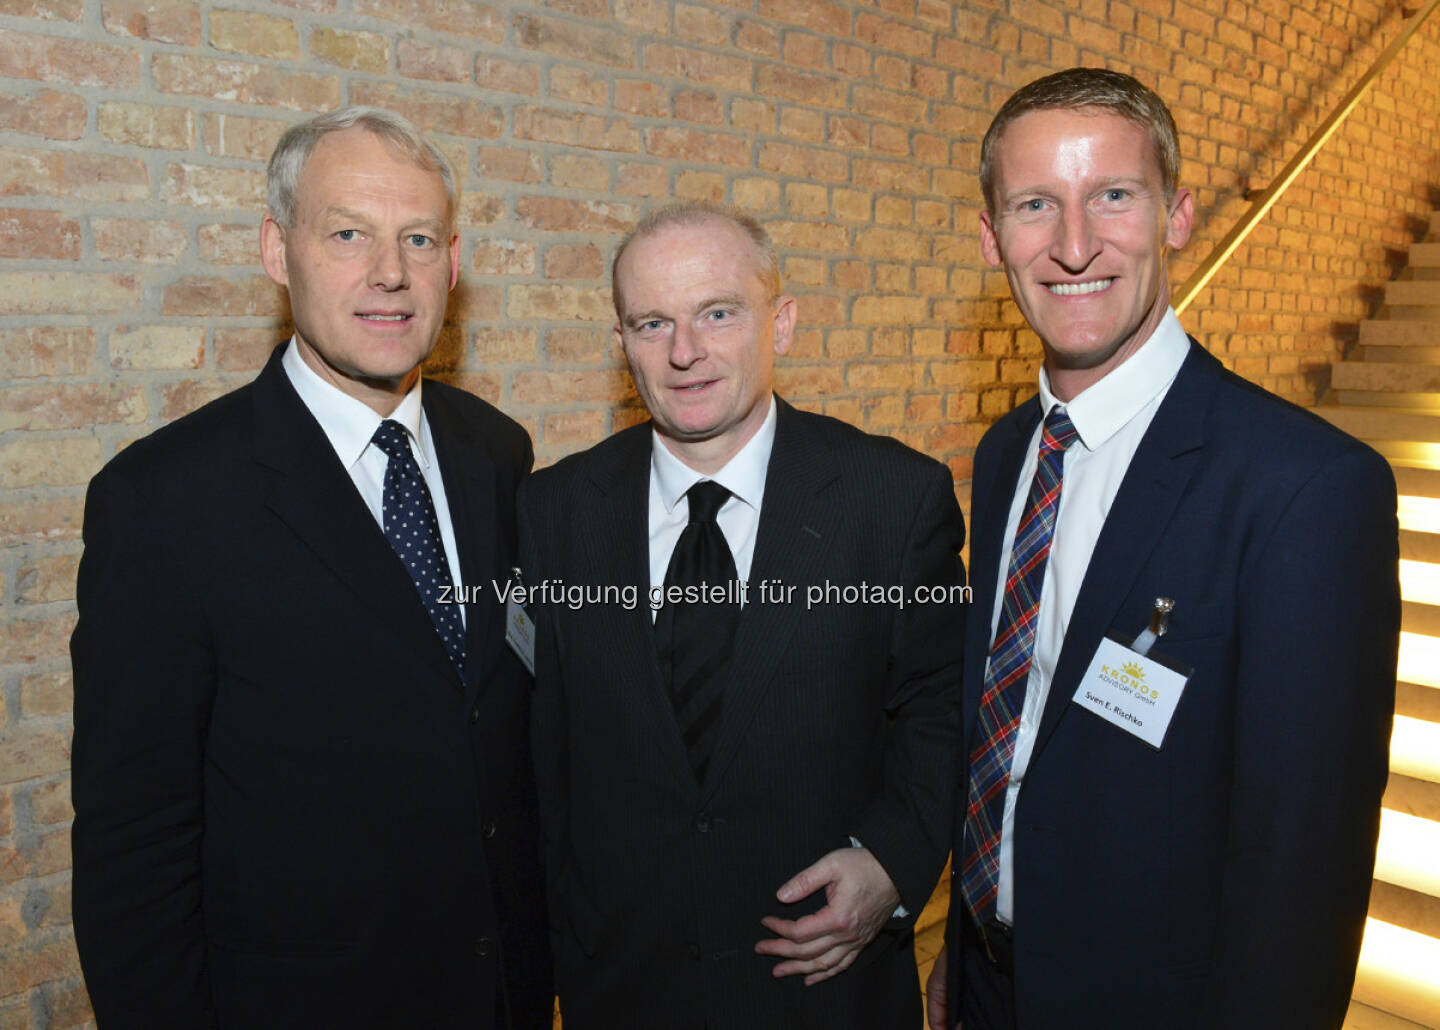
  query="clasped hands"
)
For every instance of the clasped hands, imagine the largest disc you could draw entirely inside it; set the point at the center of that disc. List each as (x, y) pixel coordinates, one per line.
(859, 899)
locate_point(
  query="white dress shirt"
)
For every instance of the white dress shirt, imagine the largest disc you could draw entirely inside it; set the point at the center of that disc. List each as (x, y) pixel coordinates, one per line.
(1110, 417)
(739, 517)
(349, 425)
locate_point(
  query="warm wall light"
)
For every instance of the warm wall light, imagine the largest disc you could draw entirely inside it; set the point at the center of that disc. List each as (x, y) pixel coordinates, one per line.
(1405, 856)
(1415, 749)
(1420, 581)
(1419, 659)
(1419, 514)
(1400, 972)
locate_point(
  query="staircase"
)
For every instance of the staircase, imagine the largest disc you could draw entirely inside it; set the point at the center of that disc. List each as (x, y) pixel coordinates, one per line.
(1388, 394)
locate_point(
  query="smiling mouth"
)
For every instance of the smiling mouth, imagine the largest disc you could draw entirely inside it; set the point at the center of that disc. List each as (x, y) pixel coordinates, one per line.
(1079, 289)
(383, 318)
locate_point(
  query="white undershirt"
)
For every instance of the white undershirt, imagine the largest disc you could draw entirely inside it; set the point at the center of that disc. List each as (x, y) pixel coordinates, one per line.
(349, 425)
(1110, 416)
(739, 517)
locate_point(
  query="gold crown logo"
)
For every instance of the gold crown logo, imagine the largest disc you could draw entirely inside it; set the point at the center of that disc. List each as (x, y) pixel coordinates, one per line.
(1134, 670)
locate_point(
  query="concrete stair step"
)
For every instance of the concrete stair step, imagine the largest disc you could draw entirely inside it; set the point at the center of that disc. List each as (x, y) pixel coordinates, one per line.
(1405, 908)
(1411, 795)
(1374, 423)
(1382, 332)
(1420, 619)
(1405, 455)
(1409, 854)
(1414, 752)
(1416, 702)
(1399, 973)
(1409, 400)
(1425, 255)
(1419, 654)
(1363, 1017)
(1417, 482)
(1413, 293)
(1394, 376)
(1398, 355)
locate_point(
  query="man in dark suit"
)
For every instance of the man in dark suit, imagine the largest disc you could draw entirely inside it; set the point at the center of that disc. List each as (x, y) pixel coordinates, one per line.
(1175, 830)
(746, 799)
(303, 796)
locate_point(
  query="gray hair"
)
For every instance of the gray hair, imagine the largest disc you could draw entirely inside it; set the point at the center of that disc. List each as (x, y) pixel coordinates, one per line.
(299, 141)
(699, 212)
(1076, 88)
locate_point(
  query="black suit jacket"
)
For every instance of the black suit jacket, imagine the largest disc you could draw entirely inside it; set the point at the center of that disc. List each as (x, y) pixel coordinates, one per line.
(1222, 880)
(841, 720)
(290, 810)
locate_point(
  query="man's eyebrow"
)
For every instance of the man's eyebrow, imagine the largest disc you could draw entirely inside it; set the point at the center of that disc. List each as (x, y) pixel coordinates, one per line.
(340, 212)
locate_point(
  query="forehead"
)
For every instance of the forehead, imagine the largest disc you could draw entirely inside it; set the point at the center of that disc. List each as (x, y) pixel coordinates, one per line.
(1065, 143)
(356, 161)
(711, 255)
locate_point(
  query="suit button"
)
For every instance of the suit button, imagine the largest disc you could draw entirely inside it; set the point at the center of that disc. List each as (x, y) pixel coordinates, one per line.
(474, 715)
(482, 947)
(488, 829)
(702, 823)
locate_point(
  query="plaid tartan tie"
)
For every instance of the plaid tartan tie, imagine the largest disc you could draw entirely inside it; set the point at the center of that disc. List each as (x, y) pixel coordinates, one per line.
(1009, 668)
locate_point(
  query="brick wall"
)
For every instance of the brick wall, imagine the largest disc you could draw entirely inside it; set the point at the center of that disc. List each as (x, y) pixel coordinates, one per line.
(132, 140)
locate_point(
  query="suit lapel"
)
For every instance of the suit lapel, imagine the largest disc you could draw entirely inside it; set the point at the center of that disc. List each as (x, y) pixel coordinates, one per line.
(797, 522)
(1153, 485)
(615, 530)
(312, 493)
(470, 492)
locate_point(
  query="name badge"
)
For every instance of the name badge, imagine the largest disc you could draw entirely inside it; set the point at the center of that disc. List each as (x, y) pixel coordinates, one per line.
(1127, 686)
(519, 627)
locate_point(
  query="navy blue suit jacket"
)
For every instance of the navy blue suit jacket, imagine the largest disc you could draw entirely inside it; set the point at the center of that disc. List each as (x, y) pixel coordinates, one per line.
(1222, 880)
(291, 810)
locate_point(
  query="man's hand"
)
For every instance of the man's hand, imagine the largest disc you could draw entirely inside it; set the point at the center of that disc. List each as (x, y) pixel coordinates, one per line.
(935, 1001)
(860, 898)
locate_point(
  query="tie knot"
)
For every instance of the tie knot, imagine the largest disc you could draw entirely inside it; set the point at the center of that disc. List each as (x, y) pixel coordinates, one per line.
(392, 439)
(706, 497)
(1059, 432)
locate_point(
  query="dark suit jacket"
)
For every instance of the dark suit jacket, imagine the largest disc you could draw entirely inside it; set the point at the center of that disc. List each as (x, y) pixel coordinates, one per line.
(290, 810)
(837, 721)
(1222, 880)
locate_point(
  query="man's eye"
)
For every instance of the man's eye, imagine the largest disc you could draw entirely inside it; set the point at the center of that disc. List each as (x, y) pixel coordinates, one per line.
(420, 240)
(1116, 194)
(346, 235)
(718, 315)
(651, 326)
(1033, 204)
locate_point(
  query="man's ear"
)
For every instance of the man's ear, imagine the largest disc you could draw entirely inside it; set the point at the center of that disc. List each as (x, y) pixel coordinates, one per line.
(454, 259)
(272, 250)
(989, 241)
(1180, 220)
(784, 323)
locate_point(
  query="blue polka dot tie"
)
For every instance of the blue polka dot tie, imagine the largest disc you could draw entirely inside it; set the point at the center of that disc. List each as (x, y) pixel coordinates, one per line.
(410, 526)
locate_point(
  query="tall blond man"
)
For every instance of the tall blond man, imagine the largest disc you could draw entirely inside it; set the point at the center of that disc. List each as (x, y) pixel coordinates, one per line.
(1180, 663)
(746, 784)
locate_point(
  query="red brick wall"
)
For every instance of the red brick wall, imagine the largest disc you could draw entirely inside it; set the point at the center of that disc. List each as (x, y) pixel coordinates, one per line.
(132, 140)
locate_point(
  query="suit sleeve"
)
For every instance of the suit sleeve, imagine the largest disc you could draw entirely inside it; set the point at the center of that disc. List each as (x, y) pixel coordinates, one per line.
(1318, 623)
(144, 682)
(908, 827)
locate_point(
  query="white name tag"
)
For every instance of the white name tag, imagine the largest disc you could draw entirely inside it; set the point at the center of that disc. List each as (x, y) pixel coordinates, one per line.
(1134, 692)
(520, 633)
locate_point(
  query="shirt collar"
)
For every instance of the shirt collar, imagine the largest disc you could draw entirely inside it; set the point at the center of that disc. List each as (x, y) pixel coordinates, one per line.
(348, 423)
(743, 475)
(1103, 408)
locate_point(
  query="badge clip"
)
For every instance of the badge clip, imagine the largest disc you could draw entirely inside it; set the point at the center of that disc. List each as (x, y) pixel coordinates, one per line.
(1159, 625)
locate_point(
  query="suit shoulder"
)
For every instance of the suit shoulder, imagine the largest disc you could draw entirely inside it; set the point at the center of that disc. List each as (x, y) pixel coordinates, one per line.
(603, 459)
(196, 445)
(1245, 414)
(853, 445)
(484, 419)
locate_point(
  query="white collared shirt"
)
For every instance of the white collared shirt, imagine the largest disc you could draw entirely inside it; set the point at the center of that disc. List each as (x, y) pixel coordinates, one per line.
(1110, 417)
(350, 424)
(739, 517)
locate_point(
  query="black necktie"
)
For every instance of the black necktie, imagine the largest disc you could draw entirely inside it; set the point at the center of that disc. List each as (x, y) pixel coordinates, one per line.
(408, 515)
(695, 637)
